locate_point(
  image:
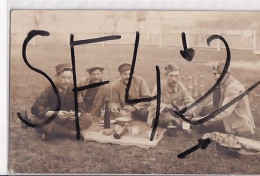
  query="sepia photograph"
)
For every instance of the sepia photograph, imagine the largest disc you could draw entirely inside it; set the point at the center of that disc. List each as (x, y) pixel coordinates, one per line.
(134, 92)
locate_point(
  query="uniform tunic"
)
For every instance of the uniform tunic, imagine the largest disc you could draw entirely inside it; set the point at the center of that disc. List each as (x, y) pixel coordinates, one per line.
(176, 97)
(47, 101)
(238, 118)
(138, 89)
(92, 100)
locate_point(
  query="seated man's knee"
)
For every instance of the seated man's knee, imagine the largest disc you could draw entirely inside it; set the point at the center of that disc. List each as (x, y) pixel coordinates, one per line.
(207, 110)
(165, 118)
(141, 114)
(86, 120)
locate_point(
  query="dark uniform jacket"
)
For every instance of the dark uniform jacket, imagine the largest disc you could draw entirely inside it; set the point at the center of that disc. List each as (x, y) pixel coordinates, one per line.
(47, 101)
(102, 95)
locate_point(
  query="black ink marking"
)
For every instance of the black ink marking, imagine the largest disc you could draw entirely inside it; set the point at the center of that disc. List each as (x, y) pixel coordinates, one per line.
(202, 144)
(31, 35)
(133, 101)
(226, 106)
(78, 89)
(75, 86)
(218, 111)
(158, 105)
(224, 71)
(91, 86)
(95, 40)
(187, 53)
(147, 99)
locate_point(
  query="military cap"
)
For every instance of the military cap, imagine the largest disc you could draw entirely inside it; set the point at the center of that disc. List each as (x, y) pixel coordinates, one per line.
(124, 67)
(61, 67)
(93, 67)
(171, 68)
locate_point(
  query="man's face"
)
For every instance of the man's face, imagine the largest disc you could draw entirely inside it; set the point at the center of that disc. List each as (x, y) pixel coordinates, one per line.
(64, 79)
(172, 78)
(125, 76)
(96, 76)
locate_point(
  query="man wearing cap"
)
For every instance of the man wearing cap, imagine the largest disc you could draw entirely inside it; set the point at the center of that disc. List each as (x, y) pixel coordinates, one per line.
(238, 118)
(174, 96)
(138, 89)
(92, 100)
(45, 106)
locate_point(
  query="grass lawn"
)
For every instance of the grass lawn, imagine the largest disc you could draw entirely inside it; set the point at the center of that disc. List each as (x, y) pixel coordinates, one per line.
(28, 154)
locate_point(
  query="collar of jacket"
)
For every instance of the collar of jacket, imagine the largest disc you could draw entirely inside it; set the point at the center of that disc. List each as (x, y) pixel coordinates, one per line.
(170, 89)
(227, 81)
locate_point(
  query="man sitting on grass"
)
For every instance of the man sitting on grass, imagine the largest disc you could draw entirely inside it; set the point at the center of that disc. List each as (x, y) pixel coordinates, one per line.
(138, 89)
(174, 96)
(94, 99)
(45, 105)
(237, 119)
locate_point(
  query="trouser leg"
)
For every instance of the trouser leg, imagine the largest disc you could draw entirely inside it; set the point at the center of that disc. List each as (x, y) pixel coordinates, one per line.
(165, 119)
(46, 128)
(58, 130)
(141, 114)
(85, 121)
(217, 126)
(207, 109)
(69, 128)
(65, 127)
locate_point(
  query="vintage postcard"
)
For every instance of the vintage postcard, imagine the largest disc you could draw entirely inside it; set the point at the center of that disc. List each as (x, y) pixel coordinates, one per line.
(134, 92)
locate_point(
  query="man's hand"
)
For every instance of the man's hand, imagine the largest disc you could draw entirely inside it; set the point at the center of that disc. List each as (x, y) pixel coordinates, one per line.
(60, 114)
(197, 118)
(130, 108)
(71, 114)
(63, 114)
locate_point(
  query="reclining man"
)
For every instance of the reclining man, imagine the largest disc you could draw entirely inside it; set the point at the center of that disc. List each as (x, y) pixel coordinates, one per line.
(238, 118)
(174, 96)
(94, 99)
(138, 89)
(45, 105)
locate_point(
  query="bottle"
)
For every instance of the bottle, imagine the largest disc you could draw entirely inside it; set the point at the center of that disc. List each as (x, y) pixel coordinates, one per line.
(121, 131)
(107, 117)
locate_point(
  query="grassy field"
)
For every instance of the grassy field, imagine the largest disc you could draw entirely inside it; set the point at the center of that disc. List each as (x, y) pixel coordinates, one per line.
(28, 154)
